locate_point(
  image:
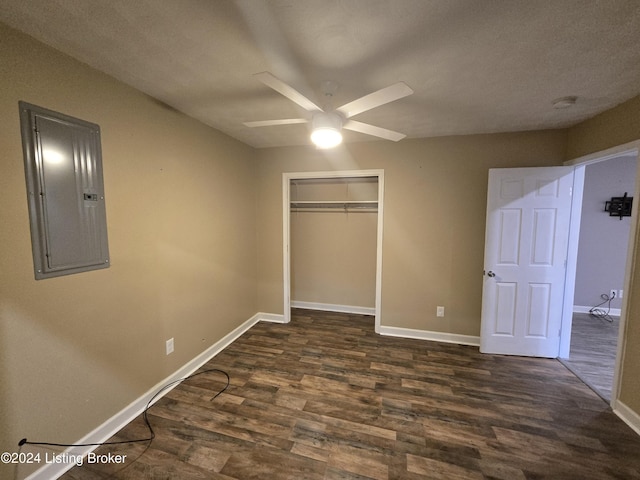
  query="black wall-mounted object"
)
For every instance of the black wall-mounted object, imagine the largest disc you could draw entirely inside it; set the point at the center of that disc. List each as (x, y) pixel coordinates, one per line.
(619, 206)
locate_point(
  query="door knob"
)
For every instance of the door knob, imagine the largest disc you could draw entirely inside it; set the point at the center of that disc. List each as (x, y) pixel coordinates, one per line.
(490, 274)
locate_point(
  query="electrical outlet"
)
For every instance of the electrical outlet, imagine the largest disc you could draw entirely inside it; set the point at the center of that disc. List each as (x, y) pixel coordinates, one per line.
(620, 293)
(439, 311)
(169, 346)
(613, 294)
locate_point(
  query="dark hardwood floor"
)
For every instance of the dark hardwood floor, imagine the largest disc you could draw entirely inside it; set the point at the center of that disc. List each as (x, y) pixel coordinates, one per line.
(324, 397)
(594, 345)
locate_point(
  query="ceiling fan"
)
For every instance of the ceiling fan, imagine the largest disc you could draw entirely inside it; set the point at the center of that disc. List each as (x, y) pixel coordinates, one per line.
(326, 125)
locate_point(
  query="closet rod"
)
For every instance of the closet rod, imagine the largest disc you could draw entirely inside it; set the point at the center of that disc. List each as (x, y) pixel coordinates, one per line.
(371, 205)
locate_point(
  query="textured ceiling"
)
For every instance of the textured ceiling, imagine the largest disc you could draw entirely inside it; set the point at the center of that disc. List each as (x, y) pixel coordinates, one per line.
(476, 66)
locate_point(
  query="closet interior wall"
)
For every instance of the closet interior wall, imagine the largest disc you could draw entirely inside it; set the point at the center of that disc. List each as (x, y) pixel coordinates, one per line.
(333, 224)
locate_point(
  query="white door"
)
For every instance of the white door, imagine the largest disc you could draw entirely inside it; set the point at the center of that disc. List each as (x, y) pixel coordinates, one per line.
(527, 232)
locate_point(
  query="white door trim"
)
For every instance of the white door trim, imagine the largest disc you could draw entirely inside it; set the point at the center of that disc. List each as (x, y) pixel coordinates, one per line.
(572, 261)
(286, 230)
(631, 148)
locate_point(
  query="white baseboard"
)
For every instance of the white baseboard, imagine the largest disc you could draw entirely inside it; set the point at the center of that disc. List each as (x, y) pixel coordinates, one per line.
(392, 331)
(627, 415)
(430, 335)
(614, 312)
(270, 317)
(329, 307)
(109, 428)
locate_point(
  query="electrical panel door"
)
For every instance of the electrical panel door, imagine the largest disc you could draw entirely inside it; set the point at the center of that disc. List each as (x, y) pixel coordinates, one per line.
(63, 167)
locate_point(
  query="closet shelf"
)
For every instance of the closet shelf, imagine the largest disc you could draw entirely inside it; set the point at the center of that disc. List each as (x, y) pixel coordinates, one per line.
(336, 204)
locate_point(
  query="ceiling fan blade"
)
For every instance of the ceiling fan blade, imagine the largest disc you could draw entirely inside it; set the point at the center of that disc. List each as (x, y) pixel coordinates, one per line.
(373, 130)
(268, 123)
(375, 99)
(288, 91)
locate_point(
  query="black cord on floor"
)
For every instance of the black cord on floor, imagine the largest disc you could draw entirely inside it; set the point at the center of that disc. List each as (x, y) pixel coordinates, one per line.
(597, 312)
(145, 417)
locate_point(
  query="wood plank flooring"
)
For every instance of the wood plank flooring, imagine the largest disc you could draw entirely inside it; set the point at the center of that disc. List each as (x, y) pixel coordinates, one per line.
(592, 357)
(324, 397)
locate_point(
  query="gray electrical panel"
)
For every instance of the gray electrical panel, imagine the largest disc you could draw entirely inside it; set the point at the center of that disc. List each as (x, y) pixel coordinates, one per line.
(63, 168)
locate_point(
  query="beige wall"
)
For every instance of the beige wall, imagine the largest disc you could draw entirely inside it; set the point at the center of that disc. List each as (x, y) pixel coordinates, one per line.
(434, 217)
(609, 129)
(333, 257)
(182, 235)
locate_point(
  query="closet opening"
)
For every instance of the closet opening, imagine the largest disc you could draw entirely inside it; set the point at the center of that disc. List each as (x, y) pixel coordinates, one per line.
(333, 223)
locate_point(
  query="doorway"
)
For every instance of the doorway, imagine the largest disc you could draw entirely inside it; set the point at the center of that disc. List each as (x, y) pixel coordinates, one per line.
(627, 151)
(600, 273)
(570, 265)
(291, 181)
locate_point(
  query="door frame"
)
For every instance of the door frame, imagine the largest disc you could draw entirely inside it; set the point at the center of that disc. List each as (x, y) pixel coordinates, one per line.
(286, 230)
(631, 148)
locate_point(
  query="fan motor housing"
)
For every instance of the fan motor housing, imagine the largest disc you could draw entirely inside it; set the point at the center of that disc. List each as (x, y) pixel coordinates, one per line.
(326, 129)
(330, 120)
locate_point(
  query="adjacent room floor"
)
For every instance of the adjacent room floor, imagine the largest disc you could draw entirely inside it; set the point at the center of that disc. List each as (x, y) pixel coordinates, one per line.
(325, 397)
(593, 351)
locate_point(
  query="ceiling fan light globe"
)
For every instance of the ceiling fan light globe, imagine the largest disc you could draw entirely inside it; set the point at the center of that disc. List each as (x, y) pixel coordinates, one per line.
(326, 137)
